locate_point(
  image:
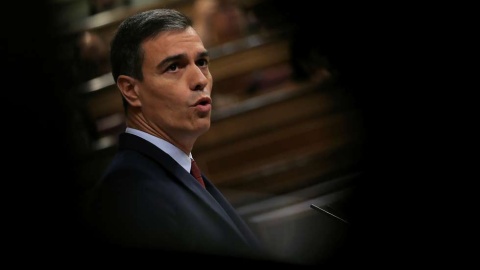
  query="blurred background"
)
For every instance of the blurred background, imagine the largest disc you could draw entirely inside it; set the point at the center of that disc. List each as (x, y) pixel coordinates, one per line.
(290, 126)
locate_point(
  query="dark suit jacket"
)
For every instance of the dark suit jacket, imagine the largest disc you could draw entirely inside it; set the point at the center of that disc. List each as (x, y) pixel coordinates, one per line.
(147, 200)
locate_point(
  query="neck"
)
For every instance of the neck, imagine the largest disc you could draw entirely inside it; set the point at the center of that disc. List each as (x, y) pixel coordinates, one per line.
(184, 143)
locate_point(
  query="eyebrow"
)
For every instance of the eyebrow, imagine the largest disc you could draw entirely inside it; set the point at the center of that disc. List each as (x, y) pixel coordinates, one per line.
(177, 57)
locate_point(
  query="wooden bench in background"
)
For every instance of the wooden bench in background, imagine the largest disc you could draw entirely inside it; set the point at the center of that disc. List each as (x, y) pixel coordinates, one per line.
(280, 141)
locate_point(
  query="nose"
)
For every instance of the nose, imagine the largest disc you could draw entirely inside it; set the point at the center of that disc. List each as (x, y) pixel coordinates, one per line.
(198, 79)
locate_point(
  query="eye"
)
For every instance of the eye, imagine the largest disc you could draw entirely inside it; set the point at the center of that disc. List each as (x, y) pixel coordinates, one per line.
(172, 67)
(202, 63)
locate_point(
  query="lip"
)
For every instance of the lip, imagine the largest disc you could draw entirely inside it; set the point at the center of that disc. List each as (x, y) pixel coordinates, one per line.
(203, 101)
(203, 104)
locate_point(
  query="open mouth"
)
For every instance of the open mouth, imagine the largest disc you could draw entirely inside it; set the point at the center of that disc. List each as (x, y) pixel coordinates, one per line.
(203, 105)
(203, 101)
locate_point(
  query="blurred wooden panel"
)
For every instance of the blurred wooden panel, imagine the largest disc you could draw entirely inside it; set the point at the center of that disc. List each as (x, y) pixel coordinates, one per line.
(104, 103)
(316, 135)
(281, 146)
(255, 82)
(234, 163)
(291, 104)
(249, 60)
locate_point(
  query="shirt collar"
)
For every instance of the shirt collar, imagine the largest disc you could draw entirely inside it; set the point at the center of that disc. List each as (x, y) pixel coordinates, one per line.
(178, 155)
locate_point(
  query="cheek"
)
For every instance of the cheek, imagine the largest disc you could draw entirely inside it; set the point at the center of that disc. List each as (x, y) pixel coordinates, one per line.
(153, 102)
(165, 98)
(155, 93)
(168, 105)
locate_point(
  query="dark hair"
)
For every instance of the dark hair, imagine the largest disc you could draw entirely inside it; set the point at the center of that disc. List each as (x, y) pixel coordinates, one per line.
(126, 53)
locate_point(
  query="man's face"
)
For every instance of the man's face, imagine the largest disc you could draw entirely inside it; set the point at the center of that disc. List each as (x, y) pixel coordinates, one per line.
(175, 91)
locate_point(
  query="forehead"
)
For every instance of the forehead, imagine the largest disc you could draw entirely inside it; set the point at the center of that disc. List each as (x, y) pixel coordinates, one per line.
(172, 43)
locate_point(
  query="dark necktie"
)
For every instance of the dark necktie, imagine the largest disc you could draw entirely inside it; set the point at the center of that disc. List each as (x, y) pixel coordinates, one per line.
(195, 171)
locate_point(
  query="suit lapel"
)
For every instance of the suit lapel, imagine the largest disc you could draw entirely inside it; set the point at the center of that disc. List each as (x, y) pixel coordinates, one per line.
(246, 233)
(212, 198)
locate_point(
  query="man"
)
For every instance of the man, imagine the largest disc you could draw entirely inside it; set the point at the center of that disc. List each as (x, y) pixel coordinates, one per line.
(147, 198)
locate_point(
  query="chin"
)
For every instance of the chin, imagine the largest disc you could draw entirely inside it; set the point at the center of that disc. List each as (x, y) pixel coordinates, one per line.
(203, 125)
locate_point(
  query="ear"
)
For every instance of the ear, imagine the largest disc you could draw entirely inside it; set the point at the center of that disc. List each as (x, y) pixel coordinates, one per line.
(129, 89)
